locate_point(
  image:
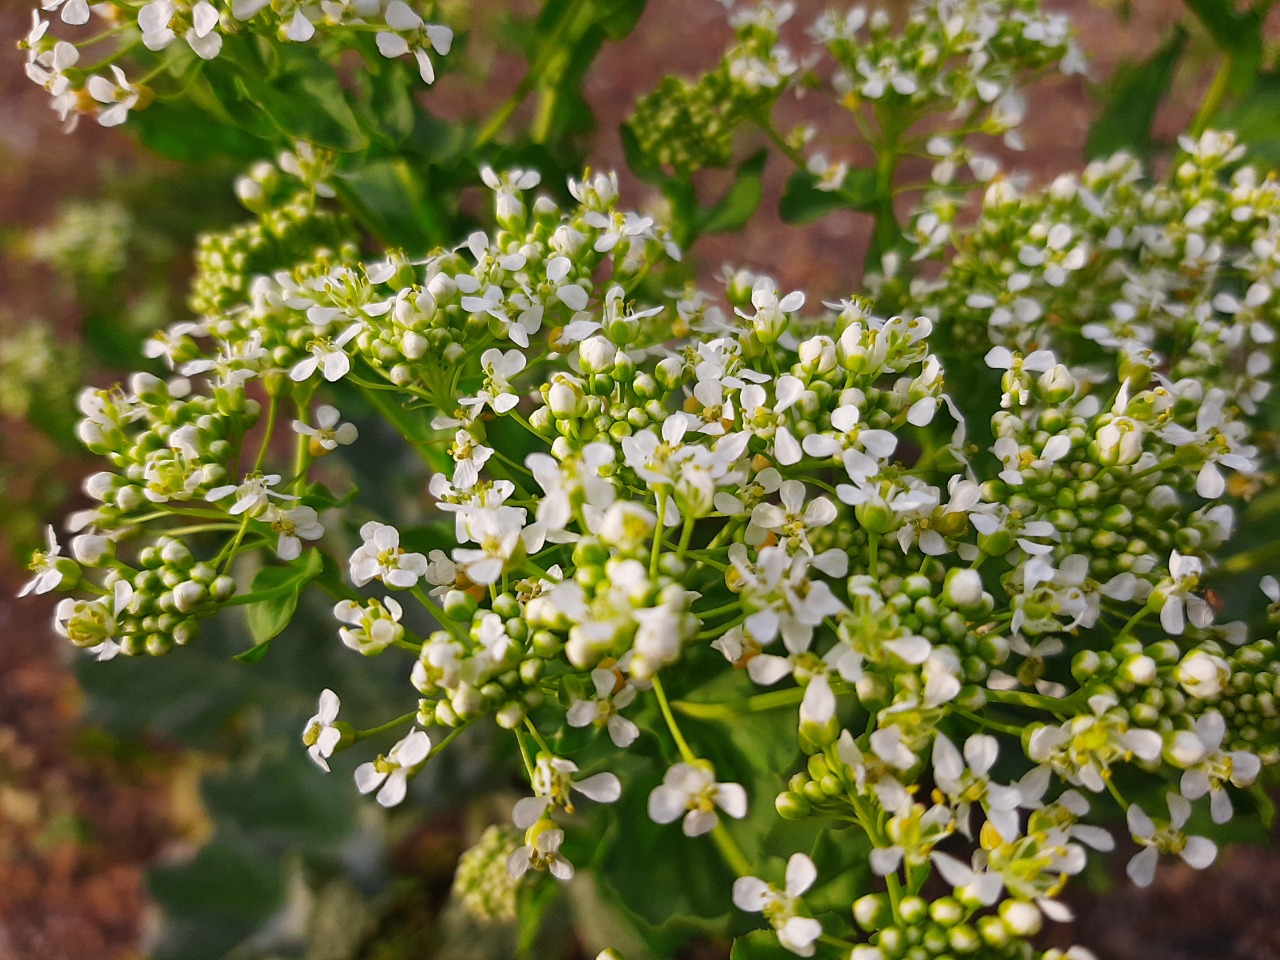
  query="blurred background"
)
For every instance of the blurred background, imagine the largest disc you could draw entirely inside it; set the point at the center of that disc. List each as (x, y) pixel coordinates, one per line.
(165, 807)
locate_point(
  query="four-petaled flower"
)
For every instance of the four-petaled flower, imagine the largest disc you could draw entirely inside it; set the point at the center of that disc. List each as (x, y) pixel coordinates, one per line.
(391, 772)
(796, 932)
(691, 790)
(320, 736)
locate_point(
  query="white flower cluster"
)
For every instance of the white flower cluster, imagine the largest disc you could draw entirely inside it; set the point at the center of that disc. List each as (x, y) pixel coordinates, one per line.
(200, 28)
(980, 585)
(1174, 276)
(785, 493)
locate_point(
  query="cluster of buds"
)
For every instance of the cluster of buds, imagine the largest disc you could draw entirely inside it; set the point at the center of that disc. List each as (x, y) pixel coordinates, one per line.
(684, 126)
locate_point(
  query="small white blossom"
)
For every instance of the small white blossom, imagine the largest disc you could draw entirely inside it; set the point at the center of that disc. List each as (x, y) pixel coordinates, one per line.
(391, 772)
(320, 736)
(691, 791)
(381, 557)
(795, 932)
(1168, 837)
(542, 854)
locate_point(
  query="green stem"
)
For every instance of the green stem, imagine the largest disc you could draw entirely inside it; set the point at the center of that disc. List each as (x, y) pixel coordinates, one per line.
(659, 534)
(1268, 553)
(383, 728)
(681, 744)
(524, 754)
(302, 449)
(733, 855)
(453, 735)
(990, 724)
(1034, 701)
(685, 536)
(1213, 97)
(760, 703)
(1132, 623)
(442, 618)
(730, 607)
(268, 430)
(533, 732)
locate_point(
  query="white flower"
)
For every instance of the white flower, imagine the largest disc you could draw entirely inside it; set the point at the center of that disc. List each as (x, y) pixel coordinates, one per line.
(320, 735)
(92, 624)
(251, 494)
(1214, 768)
(795, 933)
(392, 770)
(293, 526)
(612, 695)
(328, 433)
(154, 19)
(965, 780)
(1198, 852)
(411, 33)
(1185, 575)
(497, 532)
(74, 12)
(469, 456)
(552, 783)
(692, 791)
(770, 319)
(542, 854)
(497, 392)
(327, 356)
(381, 557)
(121, 95)
(44, 566)
(792, 521)
(378, 624)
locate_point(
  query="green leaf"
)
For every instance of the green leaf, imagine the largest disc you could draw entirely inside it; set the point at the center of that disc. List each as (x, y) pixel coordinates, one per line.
(803, 202)
(1256, 119)
(1237, 33)
(741, 200)
(396, 201)
(305, 101)
(619, 17)
(759, 945)
(277, 590)
(636, 161)
(1132, 100)
(1266, 806)
(228, 877)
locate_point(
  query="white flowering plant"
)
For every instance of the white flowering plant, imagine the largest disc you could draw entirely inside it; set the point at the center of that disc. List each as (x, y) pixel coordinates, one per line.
(843, 628)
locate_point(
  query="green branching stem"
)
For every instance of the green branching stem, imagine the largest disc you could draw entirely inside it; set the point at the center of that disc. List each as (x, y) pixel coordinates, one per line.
(681, 744)
(383, 728)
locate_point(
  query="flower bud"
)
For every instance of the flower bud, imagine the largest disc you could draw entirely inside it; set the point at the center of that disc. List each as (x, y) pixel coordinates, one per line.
(963, 588)
(792, 806)
(1056, 384)
(1020, 918)
(566, 399)
(188, 596)
(873, 912)
(596, 355)
(222, 589)
(100, 486)
(92, 550)
(459, 605)
(1202, 675)
(818, 724)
